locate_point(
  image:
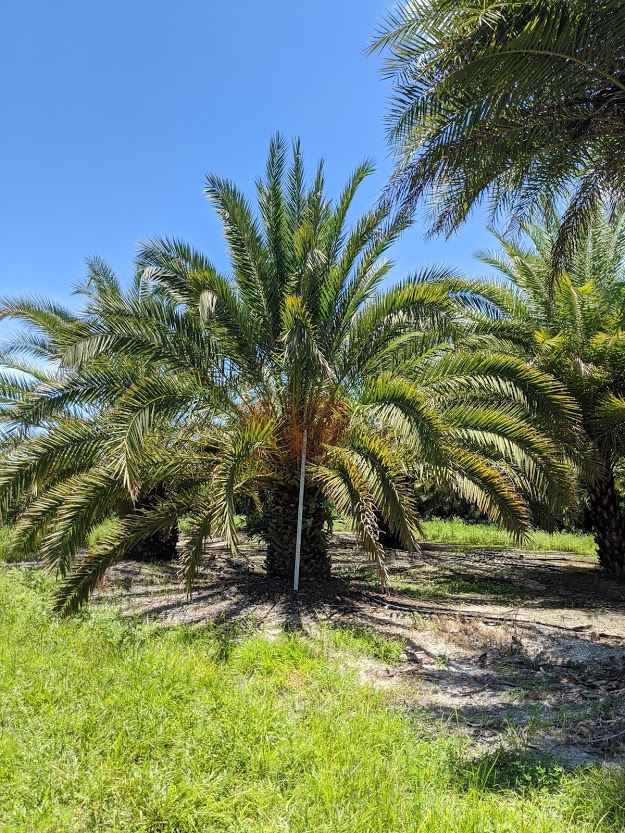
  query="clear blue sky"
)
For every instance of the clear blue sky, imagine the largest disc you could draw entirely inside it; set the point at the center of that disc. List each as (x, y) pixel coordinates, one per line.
(114, 111)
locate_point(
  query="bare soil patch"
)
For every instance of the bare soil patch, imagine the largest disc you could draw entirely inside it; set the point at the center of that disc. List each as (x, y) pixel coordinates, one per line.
(520, 649)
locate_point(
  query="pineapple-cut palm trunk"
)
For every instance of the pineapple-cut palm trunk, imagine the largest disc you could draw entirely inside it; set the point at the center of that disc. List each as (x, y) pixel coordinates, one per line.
(608, 524)
(159, 547)
(389, 539)
(280, 530)
(163, 545)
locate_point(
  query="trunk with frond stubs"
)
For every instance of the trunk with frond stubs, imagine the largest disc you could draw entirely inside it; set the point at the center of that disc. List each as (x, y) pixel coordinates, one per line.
(609, 525)
(280, 531)
(164, 544)
(159, 547)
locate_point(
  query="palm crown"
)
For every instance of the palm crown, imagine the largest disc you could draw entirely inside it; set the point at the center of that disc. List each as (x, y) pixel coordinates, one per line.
(192, 389)
(518, 102)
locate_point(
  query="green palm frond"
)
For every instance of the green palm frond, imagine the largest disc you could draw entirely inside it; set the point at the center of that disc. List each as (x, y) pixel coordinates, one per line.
(346, 481)
(76, 588)
(577, 337)
(514, 104)
(63, 516)
(189, 394)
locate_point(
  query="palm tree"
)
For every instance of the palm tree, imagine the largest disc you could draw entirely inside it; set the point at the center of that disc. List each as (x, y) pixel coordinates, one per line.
(519, 103)
(196, 388)
(36, 386)
(579, 337)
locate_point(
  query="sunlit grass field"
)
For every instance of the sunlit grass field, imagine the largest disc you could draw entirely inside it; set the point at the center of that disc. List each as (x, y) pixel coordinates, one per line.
(110, 725)
(456, 531)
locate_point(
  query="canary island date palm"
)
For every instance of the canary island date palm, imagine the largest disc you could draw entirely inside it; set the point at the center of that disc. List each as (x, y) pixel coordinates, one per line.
(514, 102)
(196, 388)
(40, 399)
(579, 337)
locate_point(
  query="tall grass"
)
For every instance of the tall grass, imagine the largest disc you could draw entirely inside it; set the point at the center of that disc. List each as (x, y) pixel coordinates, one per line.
(456, 531)
(96, 535)
(6, 533)
(108, 725)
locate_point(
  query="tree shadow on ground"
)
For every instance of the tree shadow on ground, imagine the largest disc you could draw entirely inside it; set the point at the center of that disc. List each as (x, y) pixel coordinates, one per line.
(510, 770)
(543, 666)
(596, 795)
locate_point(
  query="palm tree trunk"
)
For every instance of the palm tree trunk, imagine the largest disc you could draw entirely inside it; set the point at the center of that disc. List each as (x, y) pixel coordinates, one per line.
(280, 530)
(609, 524)
(159, 547)
(389, 539)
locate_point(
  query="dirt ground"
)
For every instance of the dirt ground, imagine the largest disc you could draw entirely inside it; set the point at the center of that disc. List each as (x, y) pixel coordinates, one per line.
(520, 649)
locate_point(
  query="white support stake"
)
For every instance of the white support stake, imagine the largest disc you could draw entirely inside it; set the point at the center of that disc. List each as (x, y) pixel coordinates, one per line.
(300, 514)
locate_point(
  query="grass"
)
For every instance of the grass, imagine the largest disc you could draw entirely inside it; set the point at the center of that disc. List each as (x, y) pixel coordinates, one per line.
(97, 534)
(108, 725)
(441, 588)
(456, 531)
(361, 642)
(5, 540)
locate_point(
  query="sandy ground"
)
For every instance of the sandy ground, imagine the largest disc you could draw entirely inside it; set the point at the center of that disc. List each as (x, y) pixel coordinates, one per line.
(510, 648)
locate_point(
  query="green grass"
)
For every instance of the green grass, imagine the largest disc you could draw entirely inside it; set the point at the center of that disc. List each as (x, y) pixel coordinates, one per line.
(441, 588)
(107, 725)
(101, 531)
(361, 642)
(97, 534)
(5, 539)
(456, 531)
